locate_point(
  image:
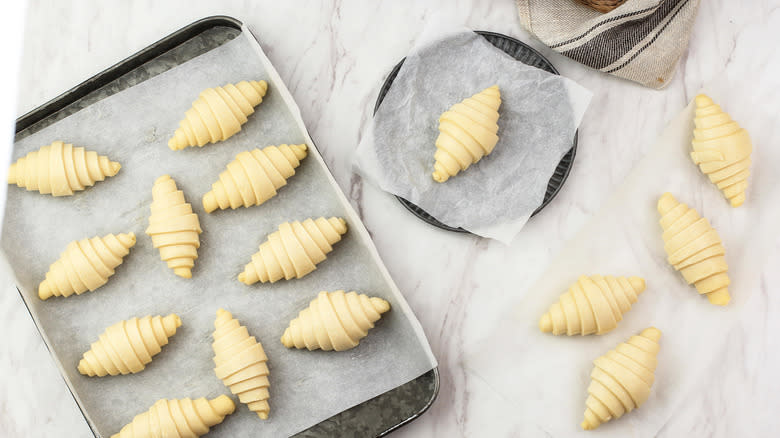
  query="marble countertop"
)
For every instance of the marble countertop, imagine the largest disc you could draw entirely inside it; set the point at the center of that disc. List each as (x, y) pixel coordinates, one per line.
(334, 55)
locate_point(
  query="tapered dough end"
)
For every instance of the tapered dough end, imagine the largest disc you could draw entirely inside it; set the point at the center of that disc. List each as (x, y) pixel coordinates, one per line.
(703, 100)
(263, 415)
(242, 278)
(170, 323)
(737, 200)
(114, 167)
(210, 202)
(440, 177)
(380, 305)
(545, 323)
(12, 174)
(162, 178)
(287, 339)
(666, 202)
(300, 150)
(587, 426)
(223, 405)
(84, 368)
(638, 283)
(651, 333)
(126, 239)
(223, 312)
(183, 272)
(44, 290)
(719, 297)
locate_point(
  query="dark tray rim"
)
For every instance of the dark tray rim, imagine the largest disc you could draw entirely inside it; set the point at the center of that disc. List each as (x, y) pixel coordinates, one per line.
(114, 72)
(424, 216)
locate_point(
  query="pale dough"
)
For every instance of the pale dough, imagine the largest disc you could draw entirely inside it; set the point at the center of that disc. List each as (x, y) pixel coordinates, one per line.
(85, 265)
(184, 418)
(254, 177)
(695, 249)
(241, 363)
(173, 227)
(218, 113)
(294, 250)
(467, 132)
(334, 321)
(127, 346)
(594, 304)
(61, 169)
(621, 379)
(722, 149)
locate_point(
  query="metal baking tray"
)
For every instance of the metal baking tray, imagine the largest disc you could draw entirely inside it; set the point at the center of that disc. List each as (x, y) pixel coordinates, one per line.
(376, 417)
(527, 55)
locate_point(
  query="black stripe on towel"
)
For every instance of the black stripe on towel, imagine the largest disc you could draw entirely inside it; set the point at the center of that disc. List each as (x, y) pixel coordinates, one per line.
(612, 44)
(601, 23)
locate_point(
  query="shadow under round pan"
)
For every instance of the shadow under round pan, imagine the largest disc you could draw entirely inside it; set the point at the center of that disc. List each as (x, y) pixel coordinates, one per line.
(529, 56)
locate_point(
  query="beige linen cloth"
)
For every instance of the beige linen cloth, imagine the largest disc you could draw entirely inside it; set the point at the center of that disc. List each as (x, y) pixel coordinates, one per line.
(641, 40)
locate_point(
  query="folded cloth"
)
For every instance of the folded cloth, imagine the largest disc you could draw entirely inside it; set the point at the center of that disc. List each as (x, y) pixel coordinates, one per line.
(538, 117)
(641, 40)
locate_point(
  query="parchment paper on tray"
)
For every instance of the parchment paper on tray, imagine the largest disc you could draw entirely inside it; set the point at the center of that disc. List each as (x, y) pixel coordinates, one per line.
(539, 115)
(546, 377)
(133, 127)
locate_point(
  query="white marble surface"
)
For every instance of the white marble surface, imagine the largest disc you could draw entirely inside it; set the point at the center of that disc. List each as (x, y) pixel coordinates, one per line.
(333, 57)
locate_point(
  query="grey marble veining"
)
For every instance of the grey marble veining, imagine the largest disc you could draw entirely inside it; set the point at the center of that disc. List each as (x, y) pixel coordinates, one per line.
(334, 56)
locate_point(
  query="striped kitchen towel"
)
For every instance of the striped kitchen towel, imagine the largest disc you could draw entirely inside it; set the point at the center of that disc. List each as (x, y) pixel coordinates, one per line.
(641, 40)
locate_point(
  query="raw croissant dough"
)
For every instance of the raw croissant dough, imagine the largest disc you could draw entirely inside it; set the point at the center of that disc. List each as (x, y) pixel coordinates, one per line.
(254, 176)
(593, 304)
(694, 248)
(722, 149)
(61, 169)
(85, 265)
(218, 113)
(334, 321)
(241, 363)
(184, 418)
(173, 227)
(467, 132)
(127, 346)
(621, 379)
(293, 250)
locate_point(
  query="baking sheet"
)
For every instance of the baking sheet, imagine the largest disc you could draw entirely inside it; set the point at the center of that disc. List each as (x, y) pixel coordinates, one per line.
(546, 377)
(539, 115)
(133, 127)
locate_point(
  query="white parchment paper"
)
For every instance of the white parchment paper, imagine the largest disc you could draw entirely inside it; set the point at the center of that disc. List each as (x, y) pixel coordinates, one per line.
(539, 115)
(132, 127)
(546, 377)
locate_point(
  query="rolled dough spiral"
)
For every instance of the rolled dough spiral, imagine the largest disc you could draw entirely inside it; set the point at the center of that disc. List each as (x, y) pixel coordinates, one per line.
(218, 113)
(722, 149)
(184, 418)
(85, 265)
(467, 132)
(173, 227)
(695, 249)
(254, 177)
(593, 304)
(294, 250)
(241, 363)
(60, 169)
(127, 346)
(621, 379)
(334, 321)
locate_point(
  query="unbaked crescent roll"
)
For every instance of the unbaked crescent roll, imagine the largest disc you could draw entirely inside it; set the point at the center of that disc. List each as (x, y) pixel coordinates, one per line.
(467, 132)
(722, 149)
(218, 113)
(184, 418)
(60, 169)
(594, 304)
(621, 379)
(334, 321)
(85, 265)
(294, 250)
(695, 249)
